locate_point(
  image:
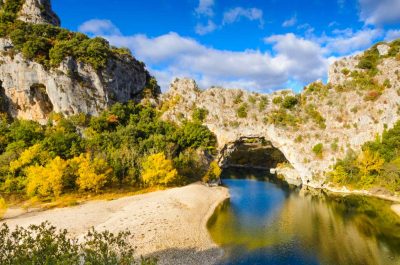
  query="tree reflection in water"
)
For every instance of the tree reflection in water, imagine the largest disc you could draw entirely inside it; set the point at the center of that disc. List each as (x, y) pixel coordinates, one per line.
(264, 223)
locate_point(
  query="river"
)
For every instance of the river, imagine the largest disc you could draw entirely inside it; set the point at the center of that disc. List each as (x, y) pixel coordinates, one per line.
(267, 222)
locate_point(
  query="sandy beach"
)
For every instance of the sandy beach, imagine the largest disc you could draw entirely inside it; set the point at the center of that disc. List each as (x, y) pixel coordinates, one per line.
(169, 224)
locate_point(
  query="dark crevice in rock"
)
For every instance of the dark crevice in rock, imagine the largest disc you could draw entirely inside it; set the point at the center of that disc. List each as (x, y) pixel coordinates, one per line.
(39, 95)
(251, 152)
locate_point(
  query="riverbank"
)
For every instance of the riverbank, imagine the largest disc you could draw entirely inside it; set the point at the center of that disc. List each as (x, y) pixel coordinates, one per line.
(169, 224)
(345, 191)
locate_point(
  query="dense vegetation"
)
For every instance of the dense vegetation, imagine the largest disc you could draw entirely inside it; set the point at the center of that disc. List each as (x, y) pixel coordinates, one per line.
(45, 245)
(126, 146)
(50, 45)
(378, 164)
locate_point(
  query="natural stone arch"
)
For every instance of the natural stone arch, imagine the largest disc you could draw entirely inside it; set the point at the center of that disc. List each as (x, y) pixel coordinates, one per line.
(257, 153)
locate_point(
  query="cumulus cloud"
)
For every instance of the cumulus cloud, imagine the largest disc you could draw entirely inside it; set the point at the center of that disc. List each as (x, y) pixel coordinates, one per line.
(290, 22)
(205, 8)
(392, 35)
(291, 59)
(379, 12)
(346, 41)
(99, 27)
(205, 29)
(235, 14)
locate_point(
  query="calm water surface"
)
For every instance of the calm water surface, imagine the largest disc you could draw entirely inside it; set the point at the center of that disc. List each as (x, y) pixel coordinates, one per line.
(268, 223)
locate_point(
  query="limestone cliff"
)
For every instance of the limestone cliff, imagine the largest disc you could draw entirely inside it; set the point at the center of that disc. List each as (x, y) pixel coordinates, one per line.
(38, 12)
(339, 116)
(31, 90)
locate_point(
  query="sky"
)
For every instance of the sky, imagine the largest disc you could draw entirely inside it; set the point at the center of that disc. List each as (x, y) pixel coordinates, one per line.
(259, 45)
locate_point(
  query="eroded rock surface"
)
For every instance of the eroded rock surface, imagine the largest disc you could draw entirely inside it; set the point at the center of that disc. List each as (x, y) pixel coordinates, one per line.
(349, 118)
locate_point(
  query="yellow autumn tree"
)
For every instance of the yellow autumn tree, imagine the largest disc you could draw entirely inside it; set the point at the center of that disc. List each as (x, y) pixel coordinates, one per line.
(46, 181)
(213, 173)
(3, 207)
(369, 162)
(25, 158)
(94, 174)
(158, 170)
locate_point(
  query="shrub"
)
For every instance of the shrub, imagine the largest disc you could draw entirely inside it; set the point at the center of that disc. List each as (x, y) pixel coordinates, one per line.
(316, 116)
(372, 95)
(3, 207)
(158, 170)
(213, 173)
(242, 111)
(282, 118)
(318, 150)
(277, 100)
(345, 71)
(369, 60)
(199, 114)
(289, 102)
(238, 99)
(44, 244)
(263, 103)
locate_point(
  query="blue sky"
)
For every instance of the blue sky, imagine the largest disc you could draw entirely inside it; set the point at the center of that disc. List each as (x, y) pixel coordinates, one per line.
(260, 45)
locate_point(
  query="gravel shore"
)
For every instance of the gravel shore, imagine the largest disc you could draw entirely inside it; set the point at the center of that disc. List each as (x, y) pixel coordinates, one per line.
(169, 224)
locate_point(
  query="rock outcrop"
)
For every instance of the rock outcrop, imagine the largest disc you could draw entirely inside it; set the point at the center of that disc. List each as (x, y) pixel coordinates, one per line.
(38, 12)
(347, 118)
(30, 90)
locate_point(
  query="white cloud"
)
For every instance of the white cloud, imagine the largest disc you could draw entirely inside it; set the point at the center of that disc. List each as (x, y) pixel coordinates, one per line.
(293, 59)
(341, 3)
(290, 22)
(378, 12)
(346, 41)
(235, 14)
(205, 8)
(392, 35)
(99, 27)
(171, 55)
(205, 29)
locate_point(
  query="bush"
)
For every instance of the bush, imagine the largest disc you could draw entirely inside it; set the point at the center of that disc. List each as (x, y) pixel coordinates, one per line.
(316, 116)
(372, 95)
(277, 100)
(282, 118)
(242, 111)
(263, 103)
(199, 114)
(44, 244)
(318, 150)
(158, 170)
(289, 102)
(213, 173)
(3, 207)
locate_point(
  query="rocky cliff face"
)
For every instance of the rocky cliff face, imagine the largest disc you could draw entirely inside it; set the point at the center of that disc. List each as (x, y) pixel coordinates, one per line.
(38, 12)
(29, 90)
(339, 116)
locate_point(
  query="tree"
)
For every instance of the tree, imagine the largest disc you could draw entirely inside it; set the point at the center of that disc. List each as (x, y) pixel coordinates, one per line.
(158, 170)
(213, 173)
(369, 162)
(46, 181)
(94, 174)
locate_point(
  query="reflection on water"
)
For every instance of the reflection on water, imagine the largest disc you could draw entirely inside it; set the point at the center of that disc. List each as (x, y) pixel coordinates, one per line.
(265, 223)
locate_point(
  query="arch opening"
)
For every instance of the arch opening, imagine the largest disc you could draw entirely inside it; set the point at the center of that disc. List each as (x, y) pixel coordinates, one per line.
(259, 157)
